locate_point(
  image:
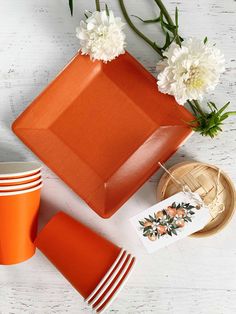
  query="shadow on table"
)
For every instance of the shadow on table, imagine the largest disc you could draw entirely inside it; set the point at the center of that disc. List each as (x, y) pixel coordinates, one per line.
(47, 210)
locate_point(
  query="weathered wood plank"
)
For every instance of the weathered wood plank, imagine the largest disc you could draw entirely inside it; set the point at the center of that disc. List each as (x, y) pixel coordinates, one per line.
(194, 276)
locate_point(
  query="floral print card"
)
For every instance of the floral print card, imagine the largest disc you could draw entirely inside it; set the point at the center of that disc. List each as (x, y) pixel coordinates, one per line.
(170, 220)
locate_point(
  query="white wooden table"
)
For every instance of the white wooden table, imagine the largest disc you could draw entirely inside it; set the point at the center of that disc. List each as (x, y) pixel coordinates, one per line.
(37, 38)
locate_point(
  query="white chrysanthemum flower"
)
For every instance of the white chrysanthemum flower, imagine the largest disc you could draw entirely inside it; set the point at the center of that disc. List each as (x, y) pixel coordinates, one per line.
(101, 36)
(190, 71)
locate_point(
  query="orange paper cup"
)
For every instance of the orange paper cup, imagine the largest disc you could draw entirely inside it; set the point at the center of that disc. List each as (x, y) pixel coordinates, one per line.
(18, 224)
(11, 170)
(89, 261)
(19, 181)
(20, 187)
(112, 286)
(111, 293)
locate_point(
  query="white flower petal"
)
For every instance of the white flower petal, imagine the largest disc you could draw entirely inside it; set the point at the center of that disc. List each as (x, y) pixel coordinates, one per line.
(189, 71)
(101, 36)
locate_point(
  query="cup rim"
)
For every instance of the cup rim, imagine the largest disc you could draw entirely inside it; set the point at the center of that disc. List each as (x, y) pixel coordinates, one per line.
(39, 186)
(18, 169)
(111, 271)
(20, 187)
(123, 267)
(119, 268)
(21, 179)
(116, 287)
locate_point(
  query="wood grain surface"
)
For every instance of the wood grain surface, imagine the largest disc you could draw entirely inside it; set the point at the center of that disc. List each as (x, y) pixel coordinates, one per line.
(37, 39)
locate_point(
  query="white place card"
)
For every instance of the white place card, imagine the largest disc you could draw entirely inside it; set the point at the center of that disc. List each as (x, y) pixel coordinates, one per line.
(170, 220)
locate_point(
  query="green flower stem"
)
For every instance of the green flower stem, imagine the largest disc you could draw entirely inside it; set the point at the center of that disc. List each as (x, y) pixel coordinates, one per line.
(71, 6)
(198, 107)
(192, 106)
(137, 31)
(208, 123)
(98, 8)
(165, 12)
(168, 19)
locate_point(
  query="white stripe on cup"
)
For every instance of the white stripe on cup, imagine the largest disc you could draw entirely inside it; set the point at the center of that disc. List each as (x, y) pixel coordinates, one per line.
(18, 169)
(106, 276)
(21, 191)
(114, 274)
(119, 279)
(21, 179)
(20, 186)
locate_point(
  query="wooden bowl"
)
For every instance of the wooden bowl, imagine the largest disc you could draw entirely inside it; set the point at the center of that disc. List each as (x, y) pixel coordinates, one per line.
(201, 178)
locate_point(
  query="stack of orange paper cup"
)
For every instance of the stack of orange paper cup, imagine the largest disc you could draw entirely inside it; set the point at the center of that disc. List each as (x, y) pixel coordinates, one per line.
(20, 185)
(96, 267)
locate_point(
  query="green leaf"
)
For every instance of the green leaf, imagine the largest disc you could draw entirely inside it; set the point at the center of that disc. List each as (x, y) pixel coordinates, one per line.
(188, 218)
(151, 218)
(176, 17)
(227, 114)
(155, 20)
(212, 106)
(231, 113)
(164, 212)
(222, 109)
(167, 42)
(224, 116)
(205, 40)
(209, 123)
(71, 6)
(147, 228)
(141, 223)
(169, 232)
(171, 28)
(174, 231)
(161, 21)
(97, 3)
(190, 207)
(107, 10)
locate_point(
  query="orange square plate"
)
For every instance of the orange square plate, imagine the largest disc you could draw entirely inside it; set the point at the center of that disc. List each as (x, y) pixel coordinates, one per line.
(103, 128)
